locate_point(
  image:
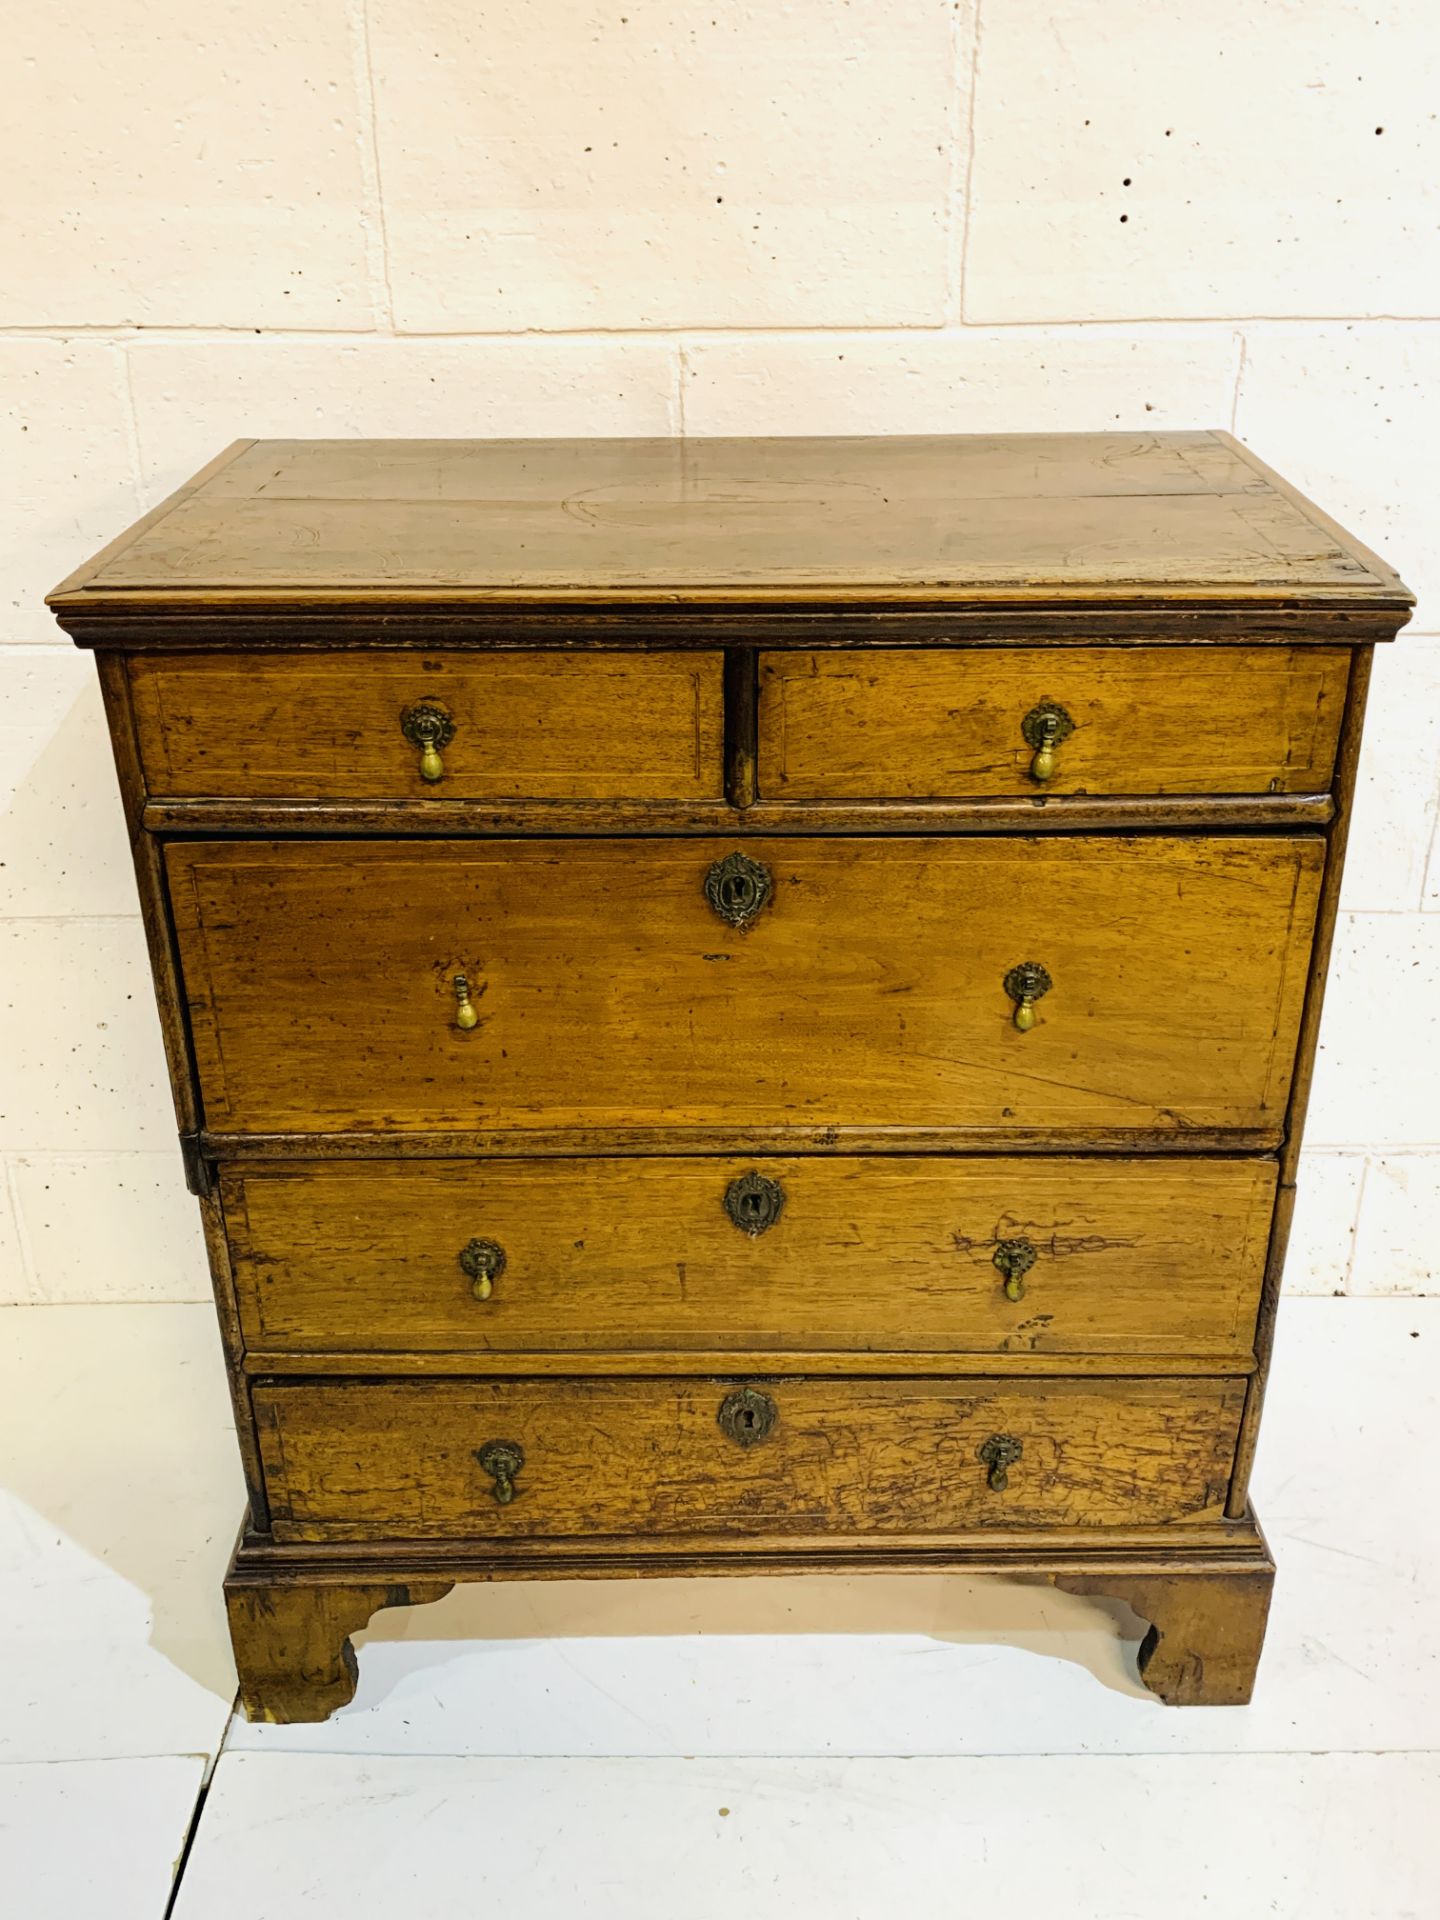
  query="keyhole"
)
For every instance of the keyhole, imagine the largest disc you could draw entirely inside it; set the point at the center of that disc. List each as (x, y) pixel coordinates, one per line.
(739, 890)
(747, 1419)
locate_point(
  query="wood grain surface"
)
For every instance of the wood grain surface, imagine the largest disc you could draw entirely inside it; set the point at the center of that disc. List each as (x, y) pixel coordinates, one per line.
(872, 1254)
(1012, 813)
(870, 991)
(1030, 514)
(365, 1460)
(1205, 1591)
(528, 726)
(882, 724)
(818, 652)
(293, 1655)
(1206, 1629)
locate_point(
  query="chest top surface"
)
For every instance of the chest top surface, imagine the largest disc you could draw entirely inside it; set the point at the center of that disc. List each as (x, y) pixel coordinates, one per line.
(977, 519)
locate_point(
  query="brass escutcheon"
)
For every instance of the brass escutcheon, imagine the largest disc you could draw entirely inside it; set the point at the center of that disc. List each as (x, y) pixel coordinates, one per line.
(1044, 727)
(753, 1202)
(484, 1261)
(737, 887)
(428, 726)
(1014, 1258)
(999, 1453)
(502, 1460)
(747, 1415)
(1026, 984)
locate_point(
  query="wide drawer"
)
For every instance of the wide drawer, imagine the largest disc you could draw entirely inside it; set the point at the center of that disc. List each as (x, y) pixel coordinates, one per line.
(877, 725)
(352, 726)
(370, 1460)
(874, 988)
(861, 1254)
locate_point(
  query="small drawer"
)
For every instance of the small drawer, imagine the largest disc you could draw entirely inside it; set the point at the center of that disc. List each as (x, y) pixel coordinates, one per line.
(946, 725)
(1059, 985)
(872, 1254)
(414, 725)
(568, 1459)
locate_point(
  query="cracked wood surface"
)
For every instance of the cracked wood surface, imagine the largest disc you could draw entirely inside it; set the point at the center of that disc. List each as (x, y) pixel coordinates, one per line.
(376, 1460)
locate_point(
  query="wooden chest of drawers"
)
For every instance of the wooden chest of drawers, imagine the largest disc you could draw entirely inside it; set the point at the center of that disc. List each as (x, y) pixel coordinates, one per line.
(740, 1005)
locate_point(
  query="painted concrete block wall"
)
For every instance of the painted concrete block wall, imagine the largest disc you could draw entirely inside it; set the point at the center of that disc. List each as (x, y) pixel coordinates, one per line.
(808, 216)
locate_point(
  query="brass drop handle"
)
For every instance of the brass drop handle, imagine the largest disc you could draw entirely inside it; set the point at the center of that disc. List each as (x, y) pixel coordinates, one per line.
(484, 1261)
(999, 1453)
(502, 1460)
(1044, 727)
(466, 1018)
(428, 726)
(1014, 1258)
(1026, 984)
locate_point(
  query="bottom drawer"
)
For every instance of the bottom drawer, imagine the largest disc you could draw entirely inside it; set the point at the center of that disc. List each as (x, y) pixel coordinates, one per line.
(561, 1458)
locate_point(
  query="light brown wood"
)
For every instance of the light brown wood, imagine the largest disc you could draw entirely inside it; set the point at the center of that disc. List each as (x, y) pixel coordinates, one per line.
(294, 1608)
(561, 598)
(1014, 1552)
(371, 1460)
(1009, 516)
(292, 1643)
(638, 1363)
(870, 990)
(1326, 918)
(150, 881)
(222, 1284)
(870, 1254)
(530, 726)
(570, 1142)
(1206, 1629)
(894, 724)
(1019, 813)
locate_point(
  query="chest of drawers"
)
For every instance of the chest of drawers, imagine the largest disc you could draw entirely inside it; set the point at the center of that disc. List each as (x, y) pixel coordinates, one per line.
(740, 1005)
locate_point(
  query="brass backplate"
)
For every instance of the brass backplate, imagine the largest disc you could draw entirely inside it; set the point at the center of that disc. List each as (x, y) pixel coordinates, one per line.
(747, 1415)
(737, 887)
(754, 1203)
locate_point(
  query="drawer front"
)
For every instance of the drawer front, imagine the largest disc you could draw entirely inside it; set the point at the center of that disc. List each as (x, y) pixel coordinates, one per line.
(422, 1460)
(878, 725)
(604, 990)
(351, 726)
(814, 1254)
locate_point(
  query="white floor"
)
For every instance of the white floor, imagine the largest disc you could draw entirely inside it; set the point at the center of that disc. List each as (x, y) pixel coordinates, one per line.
(829, 1747)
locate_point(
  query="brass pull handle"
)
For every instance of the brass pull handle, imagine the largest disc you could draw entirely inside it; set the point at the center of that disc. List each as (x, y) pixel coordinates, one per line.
(1044, 727)
(484, 1261)
(466, 1017)
(999, 1453)
(428, 726)
(1026, 984)
(1014, 1258)
(502, 1460)
(737, 887)
(747, 1415)
(753, 1202)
